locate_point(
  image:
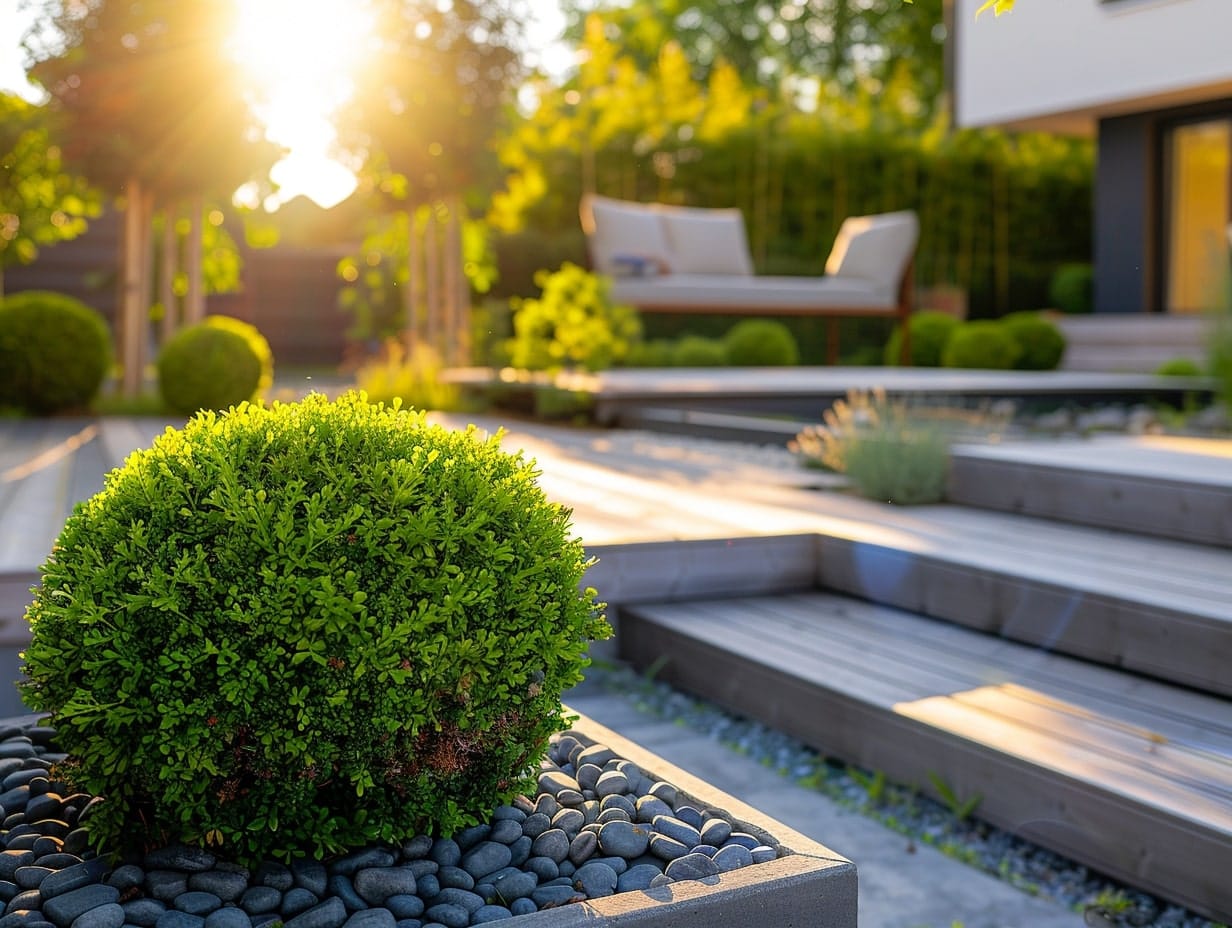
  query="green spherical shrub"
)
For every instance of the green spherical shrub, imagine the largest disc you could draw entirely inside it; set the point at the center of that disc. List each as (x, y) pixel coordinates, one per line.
(1041, 345)
(54, 352)
(213, 365)
(308, 627)
(699, 351)
(930, 330)
(1179, 367)
(1072, 288)
(981, 344)
(761, 343)
(654, 353)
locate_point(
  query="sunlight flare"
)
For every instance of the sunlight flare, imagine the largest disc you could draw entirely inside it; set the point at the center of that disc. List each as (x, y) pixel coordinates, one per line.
(299, 61)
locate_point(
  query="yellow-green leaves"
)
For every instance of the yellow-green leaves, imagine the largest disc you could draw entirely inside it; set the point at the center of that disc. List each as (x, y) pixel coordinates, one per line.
(997, 6)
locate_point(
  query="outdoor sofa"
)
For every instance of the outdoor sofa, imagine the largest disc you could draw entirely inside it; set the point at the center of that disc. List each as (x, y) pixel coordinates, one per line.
(674, 259)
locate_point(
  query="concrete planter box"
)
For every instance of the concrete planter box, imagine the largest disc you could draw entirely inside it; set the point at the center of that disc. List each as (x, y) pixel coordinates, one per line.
(808, 886)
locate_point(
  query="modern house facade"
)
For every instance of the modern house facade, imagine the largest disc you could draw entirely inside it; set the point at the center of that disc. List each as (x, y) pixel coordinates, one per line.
(1151, 81)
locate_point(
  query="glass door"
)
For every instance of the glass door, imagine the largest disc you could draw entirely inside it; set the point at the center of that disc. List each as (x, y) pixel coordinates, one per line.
(1198, 214)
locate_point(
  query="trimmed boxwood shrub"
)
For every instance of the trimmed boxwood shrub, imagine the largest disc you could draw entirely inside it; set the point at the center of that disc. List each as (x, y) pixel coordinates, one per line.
(699, 351)
(980, 344)
(54, 352)
(214, 365)
(1179, 367)
(654, 353)
(930, 330)
(1072, 288)
(1041, 345)
(761, 343)
(308, 627)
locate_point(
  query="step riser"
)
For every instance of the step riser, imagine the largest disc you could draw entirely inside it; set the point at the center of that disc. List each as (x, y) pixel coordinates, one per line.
(1166, 644)
(1083, 822)
(1141, 505)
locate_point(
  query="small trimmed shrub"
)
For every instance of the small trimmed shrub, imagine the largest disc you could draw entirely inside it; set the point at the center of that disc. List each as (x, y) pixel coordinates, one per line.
(256, 341)
(930, 330)
(654, 353)
(1041, 345)
(331, 624)
(574, 324)
(980, 344)
(212, 365)
(1179, 367)
(699, 351)
(1072, 288)
(761, 343)
(890, 452)
(1219, 356)
(54, 352)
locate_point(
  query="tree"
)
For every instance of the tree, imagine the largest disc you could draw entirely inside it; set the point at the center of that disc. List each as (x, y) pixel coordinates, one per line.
(152, 112)
(436, 88)
(40, 202)
(837, 43)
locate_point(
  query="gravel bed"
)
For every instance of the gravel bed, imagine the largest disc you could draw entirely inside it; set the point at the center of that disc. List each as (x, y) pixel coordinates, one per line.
(597, 825)
(1104, 902)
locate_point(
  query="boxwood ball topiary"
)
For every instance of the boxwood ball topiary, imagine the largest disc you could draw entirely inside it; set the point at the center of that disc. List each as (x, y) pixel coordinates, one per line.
(213, 365)
(308, 627)
(1041, 344)
(983, 343)
(761, 343)
(54, 352)
(930, 330)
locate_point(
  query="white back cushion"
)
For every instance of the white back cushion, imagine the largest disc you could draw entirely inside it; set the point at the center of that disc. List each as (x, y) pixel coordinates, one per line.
(707, 241)
(621, 229)
(875, 248)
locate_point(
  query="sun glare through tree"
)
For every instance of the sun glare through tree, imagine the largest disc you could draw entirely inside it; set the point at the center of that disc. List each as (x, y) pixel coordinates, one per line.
(298, 61)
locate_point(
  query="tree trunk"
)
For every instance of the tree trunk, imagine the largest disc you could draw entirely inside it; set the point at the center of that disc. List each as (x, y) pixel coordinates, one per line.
(129, 317)
(432, 280)
(194, 301)
(166, 277)
(412, 296)
(452, 270)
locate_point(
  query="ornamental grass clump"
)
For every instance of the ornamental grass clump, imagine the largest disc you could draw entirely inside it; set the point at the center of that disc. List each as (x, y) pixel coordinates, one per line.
(308, 627)
(889, 452)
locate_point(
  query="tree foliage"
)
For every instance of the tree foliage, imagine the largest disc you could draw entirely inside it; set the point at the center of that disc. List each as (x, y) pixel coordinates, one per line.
(839, 44)
(434, 89)
(40, 202)
(147, 92)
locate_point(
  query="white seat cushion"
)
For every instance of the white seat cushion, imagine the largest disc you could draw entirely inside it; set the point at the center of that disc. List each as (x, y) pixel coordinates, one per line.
(619, 229)
(707, 241)
(875, 248)
(719, 292)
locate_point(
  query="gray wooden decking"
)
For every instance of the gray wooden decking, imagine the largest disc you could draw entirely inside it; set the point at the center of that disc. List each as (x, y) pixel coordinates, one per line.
(1132, 777)
(1173, 487)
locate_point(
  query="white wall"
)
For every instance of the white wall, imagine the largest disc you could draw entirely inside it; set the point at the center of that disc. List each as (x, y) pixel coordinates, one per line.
(1057, 63)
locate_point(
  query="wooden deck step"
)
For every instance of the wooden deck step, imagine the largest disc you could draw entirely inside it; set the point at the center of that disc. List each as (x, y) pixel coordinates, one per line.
(1155, 607)
(1168, 487)
(1129, 776)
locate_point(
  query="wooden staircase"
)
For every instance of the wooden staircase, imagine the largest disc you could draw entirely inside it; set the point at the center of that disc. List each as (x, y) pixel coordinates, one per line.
(1090, 706)
(1131, 342)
